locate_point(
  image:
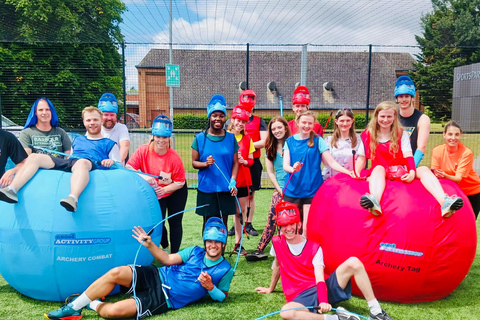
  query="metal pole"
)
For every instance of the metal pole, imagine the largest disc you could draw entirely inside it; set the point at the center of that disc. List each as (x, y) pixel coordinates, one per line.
(170, 51)
(303, 68)
(248, 63)
(280, 98)
(124, 85)
(368, 82)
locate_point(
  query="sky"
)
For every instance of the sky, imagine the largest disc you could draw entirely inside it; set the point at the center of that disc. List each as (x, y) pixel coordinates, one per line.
(222, 24)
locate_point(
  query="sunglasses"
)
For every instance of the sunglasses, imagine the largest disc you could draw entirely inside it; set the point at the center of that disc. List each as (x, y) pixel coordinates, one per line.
(342, 110)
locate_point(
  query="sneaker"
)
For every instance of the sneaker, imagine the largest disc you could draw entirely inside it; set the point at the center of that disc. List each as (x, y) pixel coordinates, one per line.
(7, 195)
(251, 230)
(381, 316)
(343, 314)
(369, 202)
(66, 312)
(69, 203)
(231, 232)
(242, 251)
(451, 205)
(256, 255)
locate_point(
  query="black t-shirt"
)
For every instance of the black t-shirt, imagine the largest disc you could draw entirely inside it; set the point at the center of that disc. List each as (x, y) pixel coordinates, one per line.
(410, 126)
(10, 147)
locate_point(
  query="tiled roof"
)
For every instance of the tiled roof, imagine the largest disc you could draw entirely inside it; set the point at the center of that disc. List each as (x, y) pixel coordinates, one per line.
(207, 72)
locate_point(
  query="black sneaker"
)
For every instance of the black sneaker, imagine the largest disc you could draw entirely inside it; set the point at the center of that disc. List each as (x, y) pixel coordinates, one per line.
(381, 316)
(256, 255)
(251, 230)
(242, 251)
(231, 232)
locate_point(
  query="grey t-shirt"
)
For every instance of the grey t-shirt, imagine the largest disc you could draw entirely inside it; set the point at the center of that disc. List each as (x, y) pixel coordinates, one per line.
(55, 139)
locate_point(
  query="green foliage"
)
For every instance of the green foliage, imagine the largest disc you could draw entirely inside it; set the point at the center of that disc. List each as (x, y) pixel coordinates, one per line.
(44, 53)
(451, 38)
(190, 121)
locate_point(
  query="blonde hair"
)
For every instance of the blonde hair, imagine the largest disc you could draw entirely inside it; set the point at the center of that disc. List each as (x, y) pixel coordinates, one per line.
(336, 130)
(374, 128)
(308, 113)
(92, 109)
(230, 127)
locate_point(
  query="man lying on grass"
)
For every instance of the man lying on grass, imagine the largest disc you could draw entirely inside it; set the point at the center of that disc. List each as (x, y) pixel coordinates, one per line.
(186, 276)
(300, 264)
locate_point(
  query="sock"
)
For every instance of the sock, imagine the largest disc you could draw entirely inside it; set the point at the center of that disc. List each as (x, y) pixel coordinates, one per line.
(374, 307)
(80, 302)
(74, 197)
(12, 189)
(94, 304)
(330, 317)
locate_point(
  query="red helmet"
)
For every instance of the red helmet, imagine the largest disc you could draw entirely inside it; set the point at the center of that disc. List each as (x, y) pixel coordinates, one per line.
(301, 95)
(240, 113)
(287, 213)
(247, 99)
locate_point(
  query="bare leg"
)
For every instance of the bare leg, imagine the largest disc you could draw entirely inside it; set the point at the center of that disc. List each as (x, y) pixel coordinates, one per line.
(376, 183)
(252, 206)
(353, 267)
(238, 226)
(306, 210)
(431, 183)
(34, 162)
(303, 314)
(80, 176)
(121, 309)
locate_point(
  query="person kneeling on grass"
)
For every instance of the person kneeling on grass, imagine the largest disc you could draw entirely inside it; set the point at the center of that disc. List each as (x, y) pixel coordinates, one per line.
(186, 276)
(300, 265)
(87, 151)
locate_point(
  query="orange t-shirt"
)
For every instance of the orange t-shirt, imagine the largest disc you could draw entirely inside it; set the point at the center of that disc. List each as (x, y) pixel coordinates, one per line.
(168, 167)
(461, 162)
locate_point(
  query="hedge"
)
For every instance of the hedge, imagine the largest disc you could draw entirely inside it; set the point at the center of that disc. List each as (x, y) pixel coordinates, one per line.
(199, 122)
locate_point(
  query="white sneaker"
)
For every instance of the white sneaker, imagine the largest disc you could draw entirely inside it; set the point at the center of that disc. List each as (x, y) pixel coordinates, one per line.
(369, 202)
(451, 205)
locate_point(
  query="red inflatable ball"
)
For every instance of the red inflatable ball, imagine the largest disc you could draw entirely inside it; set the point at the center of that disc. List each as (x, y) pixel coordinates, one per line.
(411, 253)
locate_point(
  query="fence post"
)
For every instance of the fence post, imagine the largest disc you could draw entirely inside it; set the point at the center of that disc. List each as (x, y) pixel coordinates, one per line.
(248, 63)
(124, 78)
(303, 67)
(368, 83)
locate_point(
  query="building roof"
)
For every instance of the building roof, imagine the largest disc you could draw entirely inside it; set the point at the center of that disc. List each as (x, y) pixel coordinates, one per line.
(207, 72)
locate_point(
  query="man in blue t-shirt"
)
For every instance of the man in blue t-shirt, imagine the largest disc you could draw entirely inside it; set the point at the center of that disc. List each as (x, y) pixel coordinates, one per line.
(89, 153)
(186, 276)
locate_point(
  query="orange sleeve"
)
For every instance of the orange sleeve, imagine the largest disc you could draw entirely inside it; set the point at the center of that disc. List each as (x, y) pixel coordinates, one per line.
(465, 165)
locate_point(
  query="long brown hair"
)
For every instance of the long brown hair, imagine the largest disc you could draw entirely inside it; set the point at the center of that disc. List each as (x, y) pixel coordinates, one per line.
(271, 142)
(336, 130)
(308, 113)
(374, 128)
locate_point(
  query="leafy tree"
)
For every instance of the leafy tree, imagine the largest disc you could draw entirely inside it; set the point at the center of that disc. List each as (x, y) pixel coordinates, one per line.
(63, 49)
(451, 38)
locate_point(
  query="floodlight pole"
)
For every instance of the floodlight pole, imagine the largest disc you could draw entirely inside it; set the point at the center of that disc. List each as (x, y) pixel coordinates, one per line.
(368, 83)
(170, 89)
(248, 62)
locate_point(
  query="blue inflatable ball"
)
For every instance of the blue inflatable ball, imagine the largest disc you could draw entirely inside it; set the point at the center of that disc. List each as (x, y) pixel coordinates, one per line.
(48, 253)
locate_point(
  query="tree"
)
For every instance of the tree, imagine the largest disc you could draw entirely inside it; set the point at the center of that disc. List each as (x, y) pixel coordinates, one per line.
(64, 50)
(451, 38)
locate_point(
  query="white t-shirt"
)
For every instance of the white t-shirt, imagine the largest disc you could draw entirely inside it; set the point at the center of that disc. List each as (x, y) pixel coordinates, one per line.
(297, 249)
(118, 133)
(343, 154)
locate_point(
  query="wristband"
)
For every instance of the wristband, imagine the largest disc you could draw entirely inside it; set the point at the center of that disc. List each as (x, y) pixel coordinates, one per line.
(232, 184)
(250, 162)
(418, 156)
(217, 294)
(322, 292)
(411, 164)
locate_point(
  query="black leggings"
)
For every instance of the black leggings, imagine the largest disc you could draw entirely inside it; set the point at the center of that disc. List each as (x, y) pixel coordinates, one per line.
(174, 203)
(475, 202)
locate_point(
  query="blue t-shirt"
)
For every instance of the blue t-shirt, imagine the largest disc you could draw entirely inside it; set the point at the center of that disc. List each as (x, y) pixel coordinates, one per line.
(280, 174)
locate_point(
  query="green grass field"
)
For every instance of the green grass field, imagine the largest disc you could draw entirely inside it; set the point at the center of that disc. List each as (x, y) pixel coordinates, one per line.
(244, 303)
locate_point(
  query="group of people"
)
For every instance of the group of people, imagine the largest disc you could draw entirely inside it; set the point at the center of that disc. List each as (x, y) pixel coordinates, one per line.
(227, 156)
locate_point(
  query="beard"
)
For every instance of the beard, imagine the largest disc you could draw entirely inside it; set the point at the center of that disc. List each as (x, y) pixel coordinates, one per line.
(109, 124)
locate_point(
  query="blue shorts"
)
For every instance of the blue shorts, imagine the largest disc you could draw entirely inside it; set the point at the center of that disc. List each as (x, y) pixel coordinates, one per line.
(67, 164)
(336, 294)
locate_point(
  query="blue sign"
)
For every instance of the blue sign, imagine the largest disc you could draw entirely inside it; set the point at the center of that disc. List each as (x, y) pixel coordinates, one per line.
(173, 75)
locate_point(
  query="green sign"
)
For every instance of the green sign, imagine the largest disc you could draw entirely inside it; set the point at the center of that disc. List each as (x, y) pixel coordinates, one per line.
(173, 75)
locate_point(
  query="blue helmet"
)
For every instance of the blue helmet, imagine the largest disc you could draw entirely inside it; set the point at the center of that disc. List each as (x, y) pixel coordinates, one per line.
(404, 85)
(108, 103)
(217, 103)
(162, 126)
(215, 230)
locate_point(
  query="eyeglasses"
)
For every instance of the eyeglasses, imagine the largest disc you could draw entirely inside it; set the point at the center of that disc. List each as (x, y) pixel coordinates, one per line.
(342, 110)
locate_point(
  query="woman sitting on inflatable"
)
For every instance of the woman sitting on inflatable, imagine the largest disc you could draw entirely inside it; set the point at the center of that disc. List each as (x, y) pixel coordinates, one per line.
(388, 146)
(454, 161)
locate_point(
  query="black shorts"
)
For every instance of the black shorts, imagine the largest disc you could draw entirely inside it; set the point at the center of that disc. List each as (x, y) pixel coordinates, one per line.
(148, 289)
(219, 204)
(256, 174)
(66, 165)
(299, 201)
(243, 192)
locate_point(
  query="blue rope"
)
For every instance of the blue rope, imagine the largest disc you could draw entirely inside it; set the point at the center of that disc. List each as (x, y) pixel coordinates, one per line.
(309, 307)
(239, 210)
